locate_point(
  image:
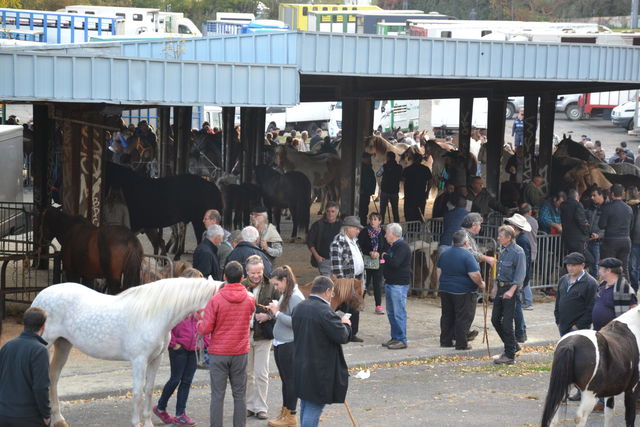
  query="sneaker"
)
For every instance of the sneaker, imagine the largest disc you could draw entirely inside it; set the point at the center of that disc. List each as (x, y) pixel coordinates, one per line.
(397, 345)
(386, 344)
(183, 420)
(528, 308)
(379, 310)
(472, 335)
(163, 415)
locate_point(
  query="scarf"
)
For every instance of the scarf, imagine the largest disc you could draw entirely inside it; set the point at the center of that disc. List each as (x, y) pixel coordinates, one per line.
(374, 235)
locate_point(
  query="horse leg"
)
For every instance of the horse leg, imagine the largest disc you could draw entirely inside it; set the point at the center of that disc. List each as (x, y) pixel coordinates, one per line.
(586, 406)
(608, 410)
(152, 369)
(139, 366)
(61, 349)
(295, 215)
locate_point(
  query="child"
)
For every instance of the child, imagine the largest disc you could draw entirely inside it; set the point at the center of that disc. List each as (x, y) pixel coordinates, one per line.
(182, 356)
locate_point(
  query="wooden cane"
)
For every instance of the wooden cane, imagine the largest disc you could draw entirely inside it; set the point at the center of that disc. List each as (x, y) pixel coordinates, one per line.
(353, 420)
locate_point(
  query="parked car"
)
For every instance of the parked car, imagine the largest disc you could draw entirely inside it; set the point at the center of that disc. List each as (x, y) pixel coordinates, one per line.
(568, 104)
(624, 114)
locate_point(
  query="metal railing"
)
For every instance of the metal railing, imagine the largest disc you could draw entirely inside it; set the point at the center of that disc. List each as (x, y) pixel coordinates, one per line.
(156, 267)
(547, 268)
(23, 276)
(16, 228)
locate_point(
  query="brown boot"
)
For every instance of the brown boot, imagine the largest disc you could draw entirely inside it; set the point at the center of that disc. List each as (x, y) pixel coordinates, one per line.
(278, 418)
(287, 420)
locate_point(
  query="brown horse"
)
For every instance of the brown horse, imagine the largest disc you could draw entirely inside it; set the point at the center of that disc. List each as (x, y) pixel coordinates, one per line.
(89, 252)
(350, 291)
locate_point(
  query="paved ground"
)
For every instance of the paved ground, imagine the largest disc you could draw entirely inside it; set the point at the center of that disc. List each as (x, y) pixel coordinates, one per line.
(437, 392)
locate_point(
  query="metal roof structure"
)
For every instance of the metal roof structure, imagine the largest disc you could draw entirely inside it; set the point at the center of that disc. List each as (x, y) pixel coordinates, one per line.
(286, 68)
(42, 76)
(330, 61)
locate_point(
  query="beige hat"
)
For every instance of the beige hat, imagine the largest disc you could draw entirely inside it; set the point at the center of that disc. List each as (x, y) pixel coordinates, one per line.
(519, 221)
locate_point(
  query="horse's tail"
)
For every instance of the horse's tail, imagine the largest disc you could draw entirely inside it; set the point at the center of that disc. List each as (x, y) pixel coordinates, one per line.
(132, 267)
(561, 379)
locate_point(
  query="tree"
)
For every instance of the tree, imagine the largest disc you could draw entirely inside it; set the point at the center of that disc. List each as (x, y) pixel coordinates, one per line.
(11, 4)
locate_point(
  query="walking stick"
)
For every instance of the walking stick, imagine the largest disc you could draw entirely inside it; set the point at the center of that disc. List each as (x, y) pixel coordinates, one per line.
(485, 306)
(353, 420)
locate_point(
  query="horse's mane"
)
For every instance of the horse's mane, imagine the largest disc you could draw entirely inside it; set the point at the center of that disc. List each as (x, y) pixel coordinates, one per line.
(165, 297)
(343, 290)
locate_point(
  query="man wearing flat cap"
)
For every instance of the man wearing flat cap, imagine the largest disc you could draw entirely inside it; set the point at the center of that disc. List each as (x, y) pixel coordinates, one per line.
(576, 296)
(347, 263)
(614, 296)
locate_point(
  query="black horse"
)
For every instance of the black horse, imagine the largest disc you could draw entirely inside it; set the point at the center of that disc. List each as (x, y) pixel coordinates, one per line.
(290, 190)
(162, 202)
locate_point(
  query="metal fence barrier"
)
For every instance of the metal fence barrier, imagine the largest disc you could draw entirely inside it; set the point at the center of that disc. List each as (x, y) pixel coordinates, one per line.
(21, 279)
(16, 228)
(547, 268)
(156, 267)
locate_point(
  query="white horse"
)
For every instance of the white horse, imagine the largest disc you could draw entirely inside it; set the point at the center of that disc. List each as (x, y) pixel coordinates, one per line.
(134, 325)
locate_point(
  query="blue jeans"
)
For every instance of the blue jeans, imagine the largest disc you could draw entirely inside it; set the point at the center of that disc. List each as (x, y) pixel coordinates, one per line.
(634, 264)
(396, 296)
(527, 295)
(594, 248)
(310, 413)
(183, 368)
(518, 316)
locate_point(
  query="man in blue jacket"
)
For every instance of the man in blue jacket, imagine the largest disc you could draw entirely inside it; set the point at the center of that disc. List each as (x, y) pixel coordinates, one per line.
(24, 375)
(397, 276)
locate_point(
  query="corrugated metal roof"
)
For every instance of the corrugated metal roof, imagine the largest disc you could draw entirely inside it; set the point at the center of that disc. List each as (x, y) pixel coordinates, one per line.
(42, 76)
(381, 56)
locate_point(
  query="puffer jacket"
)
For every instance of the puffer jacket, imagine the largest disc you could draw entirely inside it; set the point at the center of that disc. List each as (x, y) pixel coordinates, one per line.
(184, 333)
(226, 319)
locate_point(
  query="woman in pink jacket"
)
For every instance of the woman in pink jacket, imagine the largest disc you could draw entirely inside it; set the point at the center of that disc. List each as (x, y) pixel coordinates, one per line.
(182, 357)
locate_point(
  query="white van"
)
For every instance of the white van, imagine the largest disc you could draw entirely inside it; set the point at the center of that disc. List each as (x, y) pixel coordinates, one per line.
(623, 115)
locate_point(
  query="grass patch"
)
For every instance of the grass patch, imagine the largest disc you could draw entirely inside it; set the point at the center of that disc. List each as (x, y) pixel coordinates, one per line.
(520, 369)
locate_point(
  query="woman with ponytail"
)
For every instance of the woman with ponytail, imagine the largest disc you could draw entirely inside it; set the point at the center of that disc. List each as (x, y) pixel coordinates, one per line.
(284, 351)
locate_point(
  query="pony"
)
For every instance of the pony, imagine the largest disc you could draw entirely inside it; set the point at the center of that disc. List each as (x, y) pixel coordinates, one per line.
(600, 363)
(89, 252)
(350, 291)
(322, 170)
(162, 202)
(290, 190)
(133, 325)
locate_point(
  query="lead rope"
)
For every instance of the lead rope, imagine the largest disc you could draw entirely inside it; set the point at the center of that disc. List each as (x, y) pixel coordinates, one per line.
(201, 357)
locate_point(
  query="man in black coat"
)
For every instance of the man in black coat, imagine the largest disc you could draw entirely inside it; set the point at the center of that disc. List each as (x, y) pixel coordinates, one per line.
(247, 247)
(575, 227)
(205, 257)
(24, 375)
(415, 176)
(390, 186)
(321, 373)
(615, 219)
(576, 296)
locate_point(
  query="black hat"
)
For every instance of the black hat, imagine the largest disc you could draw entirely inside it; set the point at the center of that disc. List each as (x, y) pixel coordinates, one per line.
(259, 209)
(574, 258)
(610, 263)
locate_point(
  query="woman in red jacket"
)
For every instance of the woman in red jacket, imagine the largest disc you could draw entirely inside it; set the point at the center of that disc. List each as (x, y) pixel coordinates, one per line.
(182, 357)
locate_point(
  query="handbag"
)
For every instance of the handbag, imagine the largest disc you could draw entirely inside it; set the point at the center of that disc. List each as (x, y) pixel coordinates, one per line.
(267, 328)
(371, 263)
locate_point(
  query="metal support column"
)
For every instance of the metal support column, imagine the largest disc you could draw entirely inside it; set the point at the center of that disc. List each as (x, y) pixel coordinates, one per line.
(530, 130)
(164, 161)
(182, 128)
(228, 136)
(357, 120)
(41, 162)
(247, 115)
(466, 116)
(495, 141)
(547, 118)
